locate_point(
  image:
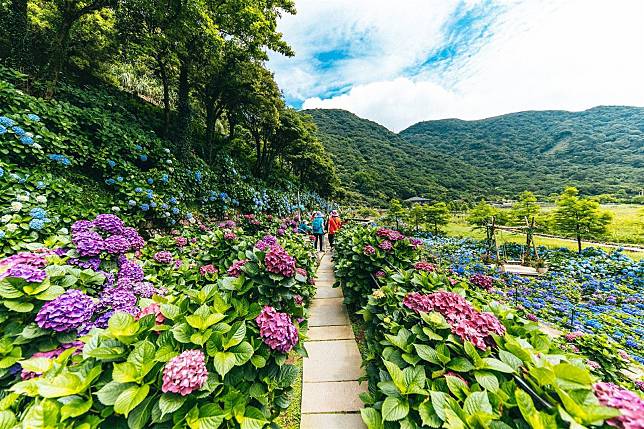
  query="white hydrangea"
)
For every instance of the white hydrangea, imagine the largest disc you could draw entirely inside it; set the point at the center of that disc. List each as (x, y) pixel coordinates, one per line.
(41, 199)
(116, 209)
(24, 198)
(16, 206)
(5, 218)
(12, 227)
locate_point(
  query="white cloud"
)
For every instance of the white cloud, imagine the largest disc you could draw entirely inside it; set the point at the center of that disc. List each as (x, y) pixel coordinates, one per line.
(558, 55)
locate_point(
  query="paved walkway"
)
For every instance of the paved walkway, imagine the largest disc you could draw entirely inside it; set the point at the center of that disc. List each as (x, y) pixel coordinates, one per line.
(330, 389)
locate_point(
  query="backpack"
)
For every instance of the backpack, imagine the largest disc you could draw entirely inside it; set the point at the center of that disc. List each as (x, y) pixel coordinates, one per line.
(318, 225)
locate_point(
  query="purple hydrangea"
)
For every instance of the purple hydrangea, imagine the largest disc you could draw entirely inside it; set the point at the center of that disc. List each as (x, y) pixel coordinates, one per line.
(369, 250)
(91, 263)
(26, 272)
(131, 271)
(119, 298)
(117, 244)
(385, 245)
(81, 226)
(277, 330)
(88, 243)
(66, 313)
(25, 258)
(146, 289)
(109, 223)
(136, 241)
(164, 257)
(278, 261)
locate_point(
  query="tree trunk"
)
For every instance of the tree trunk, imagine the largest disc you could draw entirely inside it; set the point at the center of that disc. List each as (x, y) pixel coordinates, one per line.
(163, 72)
(210, 120)
(578, 243)
(59, 54)
(183, 108)
(19, 50)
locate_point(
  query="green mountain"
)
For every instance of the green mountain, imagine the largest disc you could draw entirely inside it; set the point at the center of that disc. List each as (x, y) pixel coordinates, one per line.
(600, 150)
(375, 164)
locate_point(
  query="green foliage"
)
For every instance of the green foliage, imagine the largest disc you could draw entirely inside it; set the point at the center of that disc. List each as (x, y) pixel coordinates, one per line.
(526, 208)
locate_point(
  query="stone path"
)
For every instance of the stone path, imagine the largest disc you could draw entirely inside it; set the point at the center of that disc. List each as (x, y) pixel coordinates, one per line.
(330, 388)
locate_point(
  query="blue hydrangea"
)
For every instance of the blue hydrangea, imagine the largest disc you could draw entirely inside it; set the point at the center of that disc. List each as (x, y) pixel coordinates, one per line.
(110, 181)
(7, 122)
(149, 193)
(198, 176)
(26, 140)
(39, 185)
(3, 130)
(61, 159)
(119, 179)
(33, 117)
(38, 213)
(2, 234)
(153, 204)
(37, 224)
(138, 190)
(138, 147)
(111, 163)
(173, 200)
(165, 178)
(150, 181)
(1, 171)
(131, 203)
(19, 131)
(145, 207)
(175, 210)
(223, 195)
(164, 206)
(143, 158)
(189, 216)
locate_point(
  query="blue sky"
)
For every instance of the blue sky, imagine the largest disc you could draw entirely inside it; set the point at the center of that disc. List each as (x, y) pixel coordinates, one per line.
(402, 62)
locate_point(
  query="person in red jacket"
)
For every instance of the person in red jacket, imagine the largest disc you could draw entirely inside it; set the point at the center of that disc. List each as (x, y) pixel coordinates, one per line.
(333, 226)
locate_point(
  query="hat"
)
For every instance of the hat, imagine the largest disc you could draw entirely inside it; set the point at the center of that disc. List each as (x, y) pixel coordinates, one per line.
(334, 213)
(318, 214)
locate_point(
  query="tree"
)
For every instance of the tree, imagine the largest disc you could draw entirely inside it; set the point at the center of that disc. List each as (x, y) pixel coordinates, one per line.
(416, 215)
(526, 207)
(437, 215)
(396, 212)
(580, 217)
(482, 214)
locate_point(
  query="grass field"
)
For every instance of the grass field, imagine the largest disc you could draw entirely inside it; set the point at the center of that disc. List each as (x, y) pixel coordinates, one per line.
(458, 227)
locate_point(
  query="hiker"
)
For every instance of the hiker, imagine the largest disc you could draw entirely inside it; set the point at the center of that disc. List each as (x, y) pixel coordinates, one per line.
(303, 227)
(333, 226)
(318, 230)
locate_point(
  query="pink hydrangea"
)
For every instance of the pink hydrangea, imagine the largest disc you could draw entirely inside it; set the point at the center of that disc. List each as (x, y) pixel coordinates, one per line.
(380, 274)
(415, 242)
(424, 266)
(180, 241)
(235, 269)
(278, 261)
(592, 364)
(25, 258)
(572, 336)
(155, 309)
(369, 250)
(164, 257)
(531, 317)
(298, 299)
(386, 245)
(465, 321)
(229, 236)
(185, 373)
(302, 272)
(207, 269)
(390, 234)
(628, 403)
(277, 330)
(482, 281)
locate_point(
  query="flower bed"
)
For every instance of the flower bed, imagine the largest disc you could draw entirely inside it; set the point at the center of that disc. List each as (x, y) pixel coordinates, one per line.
(441, 352)
(102, 329)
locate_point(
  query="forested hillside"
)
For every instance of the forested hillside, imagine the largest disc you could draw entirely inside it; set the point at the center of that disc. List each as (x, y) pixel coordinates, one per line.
(375, 165)
(599, 151)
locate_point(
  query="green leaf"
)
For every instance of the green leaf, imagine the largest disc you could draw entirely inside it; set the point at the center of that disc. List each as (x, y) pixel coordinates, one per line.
(139, 417)
(75, 407)
(487, 380)
(130, 398)
(7, 420)
(428, 415)
(125, 372)
(457, 386)
(224, 362)
(497, 365)
(18, 306)
(510, 359)
(171, 402)
(439, 402)
(477, 402)
(394, 408)
(427, 353)
(236, 335)
(460, 364)
(110, 392)
(182, 332)
(371, 417)
(396, 376)
(64, 384)
(572, 377)
(170, 311)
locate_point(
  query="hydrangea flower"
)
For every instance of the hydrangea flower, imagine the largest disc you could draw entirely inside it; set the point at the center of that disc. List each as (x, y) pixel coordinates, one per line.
(180, 241)
(380, 274)
(185, 373)
(119, 299)
(145, 207)
(111, 163)
(482, 281)
(66, 313)
(385, 245)
(235, 269)
(207, 269)
(424, 266)
(369, 250)
(26, 258)
(278, 261)
(88, 243)
(163, 257)
(81, 226)
(19, 131)
(26, 140)
(628, 403)
(229, 235)
(277, 330)
(33, 117)
(155, 309)
(130, 271)
(390, 234)
(27, 272)
(116, 244)
(36, 224)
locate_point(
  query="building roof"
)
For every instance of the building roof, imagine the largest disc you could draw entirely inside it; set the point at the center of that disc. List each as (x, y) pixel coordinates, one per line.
(417, 200)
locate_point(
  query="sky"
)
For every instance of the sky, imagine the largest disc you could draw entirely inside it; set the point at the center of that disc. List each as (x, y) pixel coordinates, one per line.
(405, 61)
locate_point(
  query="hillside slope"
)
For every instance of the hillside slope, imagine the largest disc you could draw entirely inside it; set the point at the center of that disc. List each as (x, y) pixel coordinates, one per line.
(375, 164)
(600, 150)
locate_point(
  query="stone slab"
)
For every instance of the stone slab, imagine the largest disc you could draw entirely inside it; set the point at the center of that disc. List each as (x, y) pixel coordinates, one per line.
(325, 292)
(326, 333)
(332, 421)
(340, 396)
(332, 361)
(328, 312)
